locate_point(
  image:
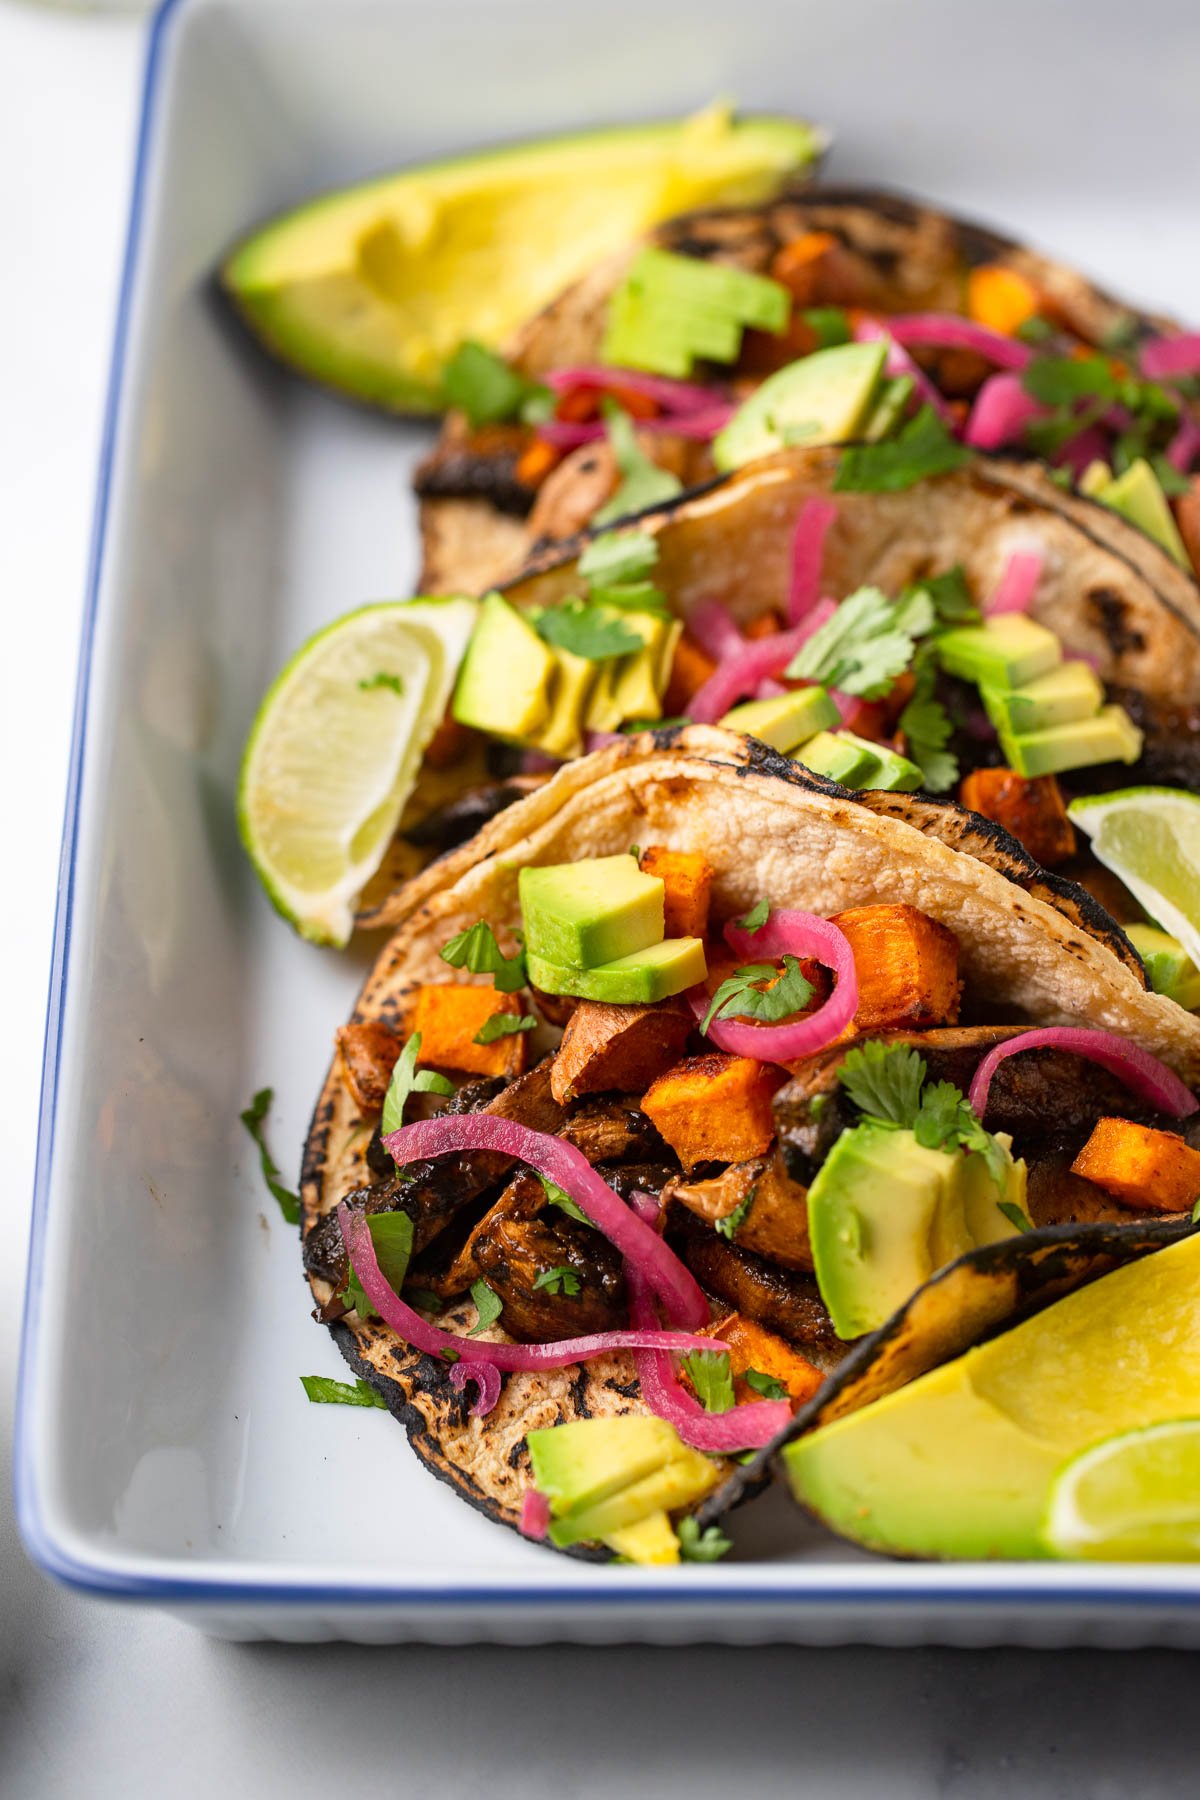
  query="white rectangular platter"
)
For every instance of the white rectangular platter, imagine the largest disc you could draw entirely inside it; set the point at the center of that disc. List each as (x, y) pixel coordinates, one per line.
(166, 1451)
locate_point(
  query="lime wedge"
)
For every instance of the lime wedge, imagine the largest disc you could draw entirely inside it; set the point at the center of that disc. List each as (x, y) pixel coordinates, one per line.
(335, 751)
(1134, 1497)
(1150, 837)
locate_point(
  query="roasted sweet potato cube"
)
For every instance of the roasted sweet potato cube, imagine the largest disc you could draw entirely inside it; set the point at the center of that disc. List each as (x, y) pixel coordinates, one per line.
(752, 1346)
(687, 878)
(907, 967)
(619, 1049)
(450, 1015)
(1033, 809)
(690, 669)
(714, 1108)
(1142, 1167)
(369, 1052)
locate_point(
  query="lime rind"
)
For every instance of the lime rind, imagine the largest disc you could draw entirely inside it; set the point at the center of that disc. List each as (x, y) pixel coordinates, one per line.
(329, 764)
(1131, 1497)
(1150, 838)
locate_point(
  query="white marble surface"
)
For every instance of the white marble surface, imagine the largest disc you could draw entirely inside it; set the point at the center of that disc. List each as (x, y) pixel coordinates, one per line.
(97, 1700)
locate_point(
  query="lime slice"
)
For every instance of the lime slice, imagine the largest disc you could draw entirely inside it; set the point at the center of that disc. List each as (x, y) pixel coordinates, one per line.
(1134, 1497)
(1150, 837)
(335, 751)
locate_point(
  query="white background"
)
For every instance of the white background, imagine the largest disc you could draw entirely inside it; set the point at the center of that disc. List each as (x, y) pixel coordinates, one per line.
(97, 1700)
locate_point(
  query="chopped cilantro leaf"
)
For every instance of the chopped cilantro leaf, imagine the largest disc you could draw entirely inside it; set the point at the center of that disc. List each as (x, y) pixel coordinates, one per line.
(921, 448)
(408, 1079)
(740, 996)
(560, 1280)
(937, 1121)
(503, 1025)
(1196, 1213)
(324, 1392)
(482, 385)
(253, 1119)
(632, 596)
(476, 949)
(701, 1546)
(615, 558)
(1063, 380)
(425, 1300)
(927, 728)
(949, 596)
(731, 1224)
(585, 630)
(766, 1385)
(643, 483)
(831, 324)
(884, 1081)
(1121, 335)
(709, 1373)
(559, 1197)
(488, 1305)
(866, 644)
(756, 918)
(1015, 1216)
(1035, 330)
(632, 726)
(1172, 483)
(381, 679)
(392, 1237)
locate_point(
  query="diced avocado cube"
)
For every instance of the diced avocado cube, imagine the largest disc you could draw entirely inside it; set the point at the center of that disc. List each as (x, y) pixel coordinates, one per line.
(671, 309)
(1138, 496)
(786, 720)
(579, 1465)
(1111, 736)
(647, 975)
(504, 682)
(651, 1543)
(637, 687)
(1169, 968)
(679, 1482)
(840, 756)
(895, 774)
(1002, 653)
(571, 681)
(1059, 697)
(1095, 478)
(591, 912)
(822, 399)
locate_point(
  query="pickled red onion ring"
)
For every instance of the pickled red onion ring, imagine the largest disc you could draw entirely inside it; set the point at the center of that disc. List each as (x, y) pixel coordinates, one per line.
(1000, 414)
(671, 1280)
(947, 331)
(486, 1377)
(1016, 587)
(712, 626)
(535, 1514)
(1167, 356)
(741, 673)
(675, 396)
(1142, 1073)
(788, 933)
(569, 434)
(808, 555)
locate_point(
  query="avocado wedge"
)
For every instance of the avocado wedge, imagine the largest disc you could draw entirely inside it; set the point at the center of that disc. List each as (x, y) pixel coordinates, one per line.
(372, 289)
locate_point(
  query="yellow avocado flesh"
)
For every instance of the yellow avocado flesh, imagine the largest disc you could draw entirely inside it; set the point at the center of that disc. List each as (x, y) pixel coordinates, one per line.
(960, 1462)
(372, 289)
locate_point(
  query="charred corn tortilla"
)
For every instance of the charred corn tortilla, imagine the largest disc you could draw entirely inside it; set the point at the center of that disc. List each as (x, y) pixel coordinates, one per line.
(908, 257)
(1032, 947)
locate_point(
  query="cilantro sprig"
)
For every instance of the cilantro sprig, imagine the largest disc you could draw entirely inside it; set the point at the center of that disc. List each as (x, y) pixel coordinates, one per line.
(559, 1197)
(731, 1224)
(408, 1079)
(254, 1119)
(742, 996)
(476, 949)
(502, 1025)
(488, 1305)
(381, 679)
(559, 1280)
(921, 448)
(710, 1375)
(643, 483)
(887, 1082)
(481, 384)
(586, 630)
(766, 1385)
(868, 642)
(701, 1546)
(324, 1392)
(756, 918)
(927, 728)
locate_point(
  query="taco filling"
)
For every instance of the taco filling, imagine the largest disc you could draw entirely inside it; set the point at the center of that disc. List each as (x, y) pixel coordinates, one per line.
(692, 1151)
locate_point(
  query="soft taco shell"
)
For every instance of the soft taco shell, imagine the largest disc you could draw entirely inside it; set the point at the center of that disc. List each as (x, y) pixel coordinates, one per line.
(906, 257)
(1032, 947)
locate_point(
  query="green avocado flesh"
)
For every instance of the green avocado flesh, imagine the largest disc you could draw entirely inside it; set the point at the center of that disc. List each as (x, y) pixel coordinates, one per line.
(1111, 736)
(517, 704)
(786, 720)
(638, 980)
(371, 290)
(885, 1212)
(1069, 692)
(1138, 496)
(959, 1463)
(592, 912)
(671, 309)
(606, 1478)
(822, 399)
(1169, 968)
(1002, 653)
(858, 763)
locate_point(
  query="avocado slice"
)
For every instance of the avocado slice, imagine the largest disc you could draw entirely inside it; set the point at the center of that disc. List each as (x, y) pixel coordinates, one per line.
(1059, 697)
(1111, 736)
(786, 720)
(1138, 496)
(591, 912)
(571, 682)
(651, 1542)
(504, 683)
(1002, 653)
(372, 289)
(822, 399)
(1169, 968)
(840, 756)
(638, 980)
(581, 1464)
(960, 1462)
(885, 1212)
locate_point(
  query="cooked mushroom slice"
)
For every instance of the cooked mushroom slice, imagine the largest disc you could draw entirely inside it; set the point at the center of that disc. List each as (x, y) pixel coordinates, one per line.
(765, 1210)
(784, 1300)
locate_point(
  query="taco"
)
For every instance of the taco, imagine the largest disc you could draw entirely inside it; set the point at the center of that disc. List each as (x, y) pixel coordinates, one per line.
(877, 305)
(671, 1081)
(727, 598)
